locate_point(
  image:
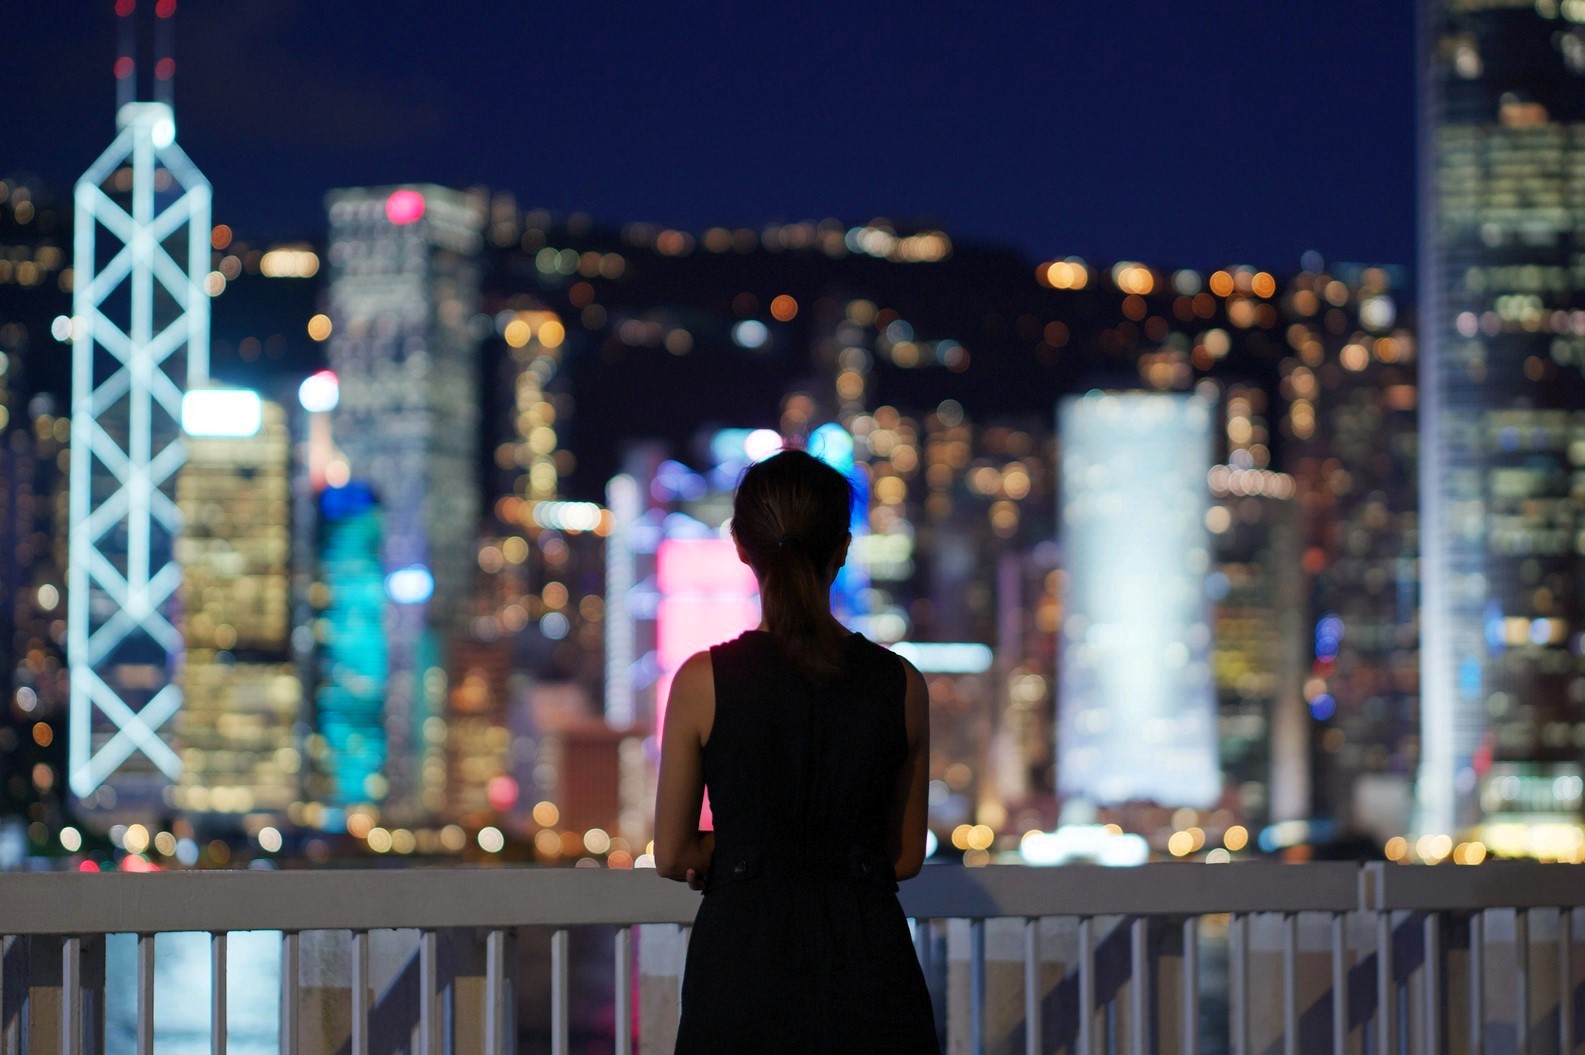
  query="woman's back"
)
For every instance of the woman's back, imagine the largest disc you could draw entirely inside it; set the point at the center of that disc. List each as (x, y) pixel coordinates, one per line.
(800, 945)
(801, 769)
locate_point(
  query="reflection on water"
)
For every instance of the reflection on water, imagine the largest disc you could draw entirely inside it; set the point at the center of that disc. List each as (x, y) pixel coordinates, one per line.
(181, 993)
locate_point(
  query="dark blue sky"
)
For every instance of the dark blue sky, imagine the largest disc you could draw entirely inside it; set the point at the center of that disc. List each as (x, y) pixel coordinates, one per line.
(1192, 132)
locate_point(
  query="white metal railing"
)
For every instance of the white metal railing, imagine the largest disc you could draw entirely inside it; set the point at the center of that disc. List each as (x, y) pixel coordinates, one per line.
(1320, 957)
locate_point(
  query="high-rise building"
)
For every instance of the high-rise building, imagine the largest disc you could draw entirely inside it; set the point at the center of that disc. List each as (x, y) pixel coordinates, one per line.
(238, 733)
(1502, 401)
(1137, 710)
(403, 293)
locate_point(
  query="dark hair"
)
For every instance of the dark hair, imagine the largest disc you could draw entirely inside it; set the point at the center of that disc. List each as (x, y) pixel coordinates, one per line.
(791, 517)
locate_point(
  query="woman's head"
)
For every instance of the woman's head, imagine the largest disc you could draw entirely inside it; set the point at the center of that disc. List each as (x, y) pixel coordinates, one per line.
(790, 520)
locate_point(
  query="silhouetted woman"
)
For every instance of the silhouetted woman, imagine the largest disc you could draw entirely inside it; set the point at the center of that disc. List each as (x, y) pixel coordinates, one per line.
(813, 743)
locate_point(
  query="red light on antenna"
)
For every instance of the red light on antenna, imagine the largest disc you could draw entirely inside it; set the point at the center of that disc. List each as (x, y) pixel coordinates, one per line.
(165, 69)
(125, 7)
(123, 68)
(164, 8)
(404, 206)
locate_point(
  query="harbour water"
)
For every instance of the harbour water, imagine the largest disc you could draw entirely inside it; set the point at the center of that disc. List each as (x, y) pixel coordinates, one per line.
(182, 993)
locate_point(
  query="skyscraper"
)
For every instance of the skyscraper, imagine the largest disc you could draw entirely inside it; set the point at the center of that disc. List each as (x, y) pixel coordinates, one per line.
(1502, 266)
(236, 734)
(404, 287)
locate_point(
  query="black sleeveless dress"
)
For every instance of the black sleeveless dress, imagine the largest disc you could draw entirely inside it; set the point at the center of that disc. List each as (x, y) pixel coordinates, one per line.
(800, 945)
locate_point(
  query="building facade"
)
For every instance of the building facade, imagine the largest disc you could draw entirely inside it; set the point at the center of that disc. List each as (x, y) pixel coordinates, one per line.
(1502, 434)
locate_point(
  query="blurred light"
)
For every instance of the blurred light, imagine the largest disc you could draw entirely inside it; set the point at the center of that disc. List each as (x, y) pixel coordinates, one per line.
(319, 327)
(501, 792)
(750, 333)
(554, 626)
(832, 444)
(1236, 838)
(71, 839)
(61, 328)
(135, 839)
(596, 841)
(946, 658)
(404, 207)
(517, 333)
(552, 333)
(220, 236)
(783, 308)
(289, 263)
(319, 392)
(226, 412)
(1396, 848)
(269, 840)
(491, 841)
(1323, 707)
(761, 444)
(1218, 856)
(546, 814)
(410, 585)
(568, 516)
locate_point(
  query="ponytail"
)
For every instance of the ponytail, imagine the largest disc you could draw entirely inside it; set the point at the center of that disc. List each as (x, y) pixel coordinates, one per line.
(791, 518)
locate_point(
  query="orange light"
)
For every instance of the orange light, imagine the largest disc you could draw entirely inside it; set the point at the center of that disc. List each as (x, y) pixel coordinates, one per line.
(1221, 283)
(220, 237)
(783, 308)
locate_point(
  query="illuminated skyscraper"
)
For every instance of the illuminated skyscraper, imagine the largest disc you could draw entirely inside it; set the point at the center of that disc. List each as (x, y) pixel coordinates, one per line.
(236, 734)
(404, 287)
(1502, 264)
(1137, 717)
(140, 336)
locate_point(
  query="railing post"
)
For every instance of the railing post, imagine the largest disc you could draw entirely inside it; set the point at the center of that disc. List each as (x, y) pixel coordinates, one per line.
(494, 997)
(1431, 974)
(291, 991)
(71, 995)
(624, 991)
(1339, 983)
(559, 977)
(1033, 1028)
(1086, 1044)
(1521, 979)
(1477, 983)
(428, 985)
(1191, 985)
(217, 993)
(1290, 983)
(145, 998)
(1139, 1030)
(1386, 995)
(977, 986)
(1238, 980)
(1565, 978)
(360, 992)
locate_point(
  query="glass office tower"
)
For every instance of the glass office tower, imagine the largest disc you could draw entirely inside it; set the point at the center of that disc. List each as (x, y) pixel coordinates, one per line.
(1502, 412)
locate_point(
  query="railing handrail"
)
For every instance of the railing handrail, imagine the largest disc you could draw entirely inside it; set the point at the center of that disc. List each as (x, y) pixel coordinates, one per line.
(439, 898)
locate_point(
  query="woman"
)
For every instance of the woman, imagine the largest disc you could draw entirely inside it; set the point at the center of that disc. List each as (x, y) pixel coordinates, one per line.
(813, 743)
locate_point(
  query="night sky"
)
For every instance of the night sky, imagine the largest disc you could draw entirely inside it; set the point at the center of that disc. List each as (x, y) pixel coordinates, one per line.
(1179, 133)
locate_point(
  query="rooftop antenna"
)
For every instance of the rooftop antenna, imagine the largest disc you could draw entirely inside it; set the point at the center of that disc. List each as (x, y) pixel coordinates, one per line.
(140, 337)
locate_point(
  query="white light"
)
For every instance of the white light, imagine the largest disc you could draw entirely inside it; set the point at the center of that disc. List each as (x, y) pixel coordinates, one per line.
(319, 392)
(761, 444)
(554, 626)
(61, 328)
(289, 262)
(750, 333)
(230, 412)
(71, 840)
(491, 840)
(568, 516)
(946, 658)
(163, 132)
(411, 585)
(269, 840)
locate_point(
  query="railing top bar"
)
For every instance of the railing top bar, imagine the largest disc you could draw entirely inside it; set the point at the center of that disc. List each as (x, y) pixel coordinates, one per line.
(1498, 884)
(56, 903)
(436, 898)
(1165, 889)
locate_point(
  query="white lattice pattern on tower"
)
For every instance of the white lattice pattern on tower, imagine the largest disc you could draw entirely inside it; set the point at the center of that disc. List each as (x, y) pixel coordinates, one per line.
(140, 337)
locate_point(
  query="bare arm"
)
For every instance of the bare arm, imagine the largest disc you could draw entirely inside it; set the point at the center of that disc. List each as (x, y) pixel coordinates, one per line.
(682, 851)
(907, 835)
